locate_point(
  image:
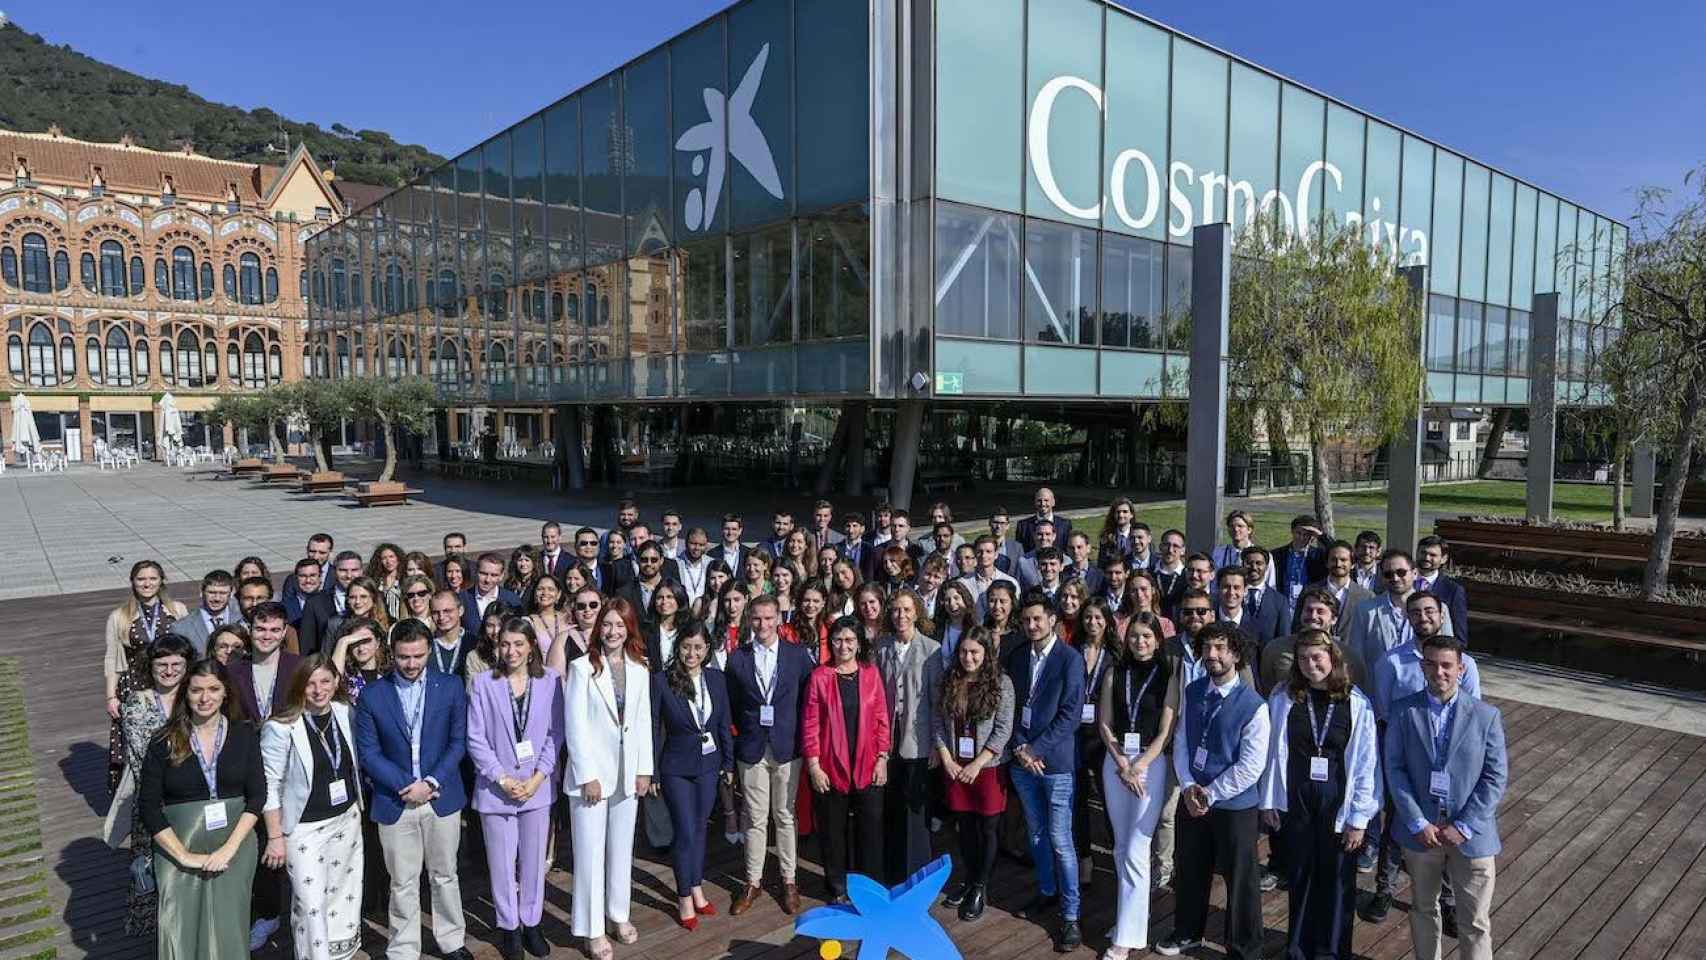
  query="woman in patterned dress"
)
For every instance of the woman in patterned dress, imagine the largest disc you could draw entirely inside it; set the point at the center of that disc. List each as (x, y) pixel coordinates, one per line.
(131, 628)
(144, 713)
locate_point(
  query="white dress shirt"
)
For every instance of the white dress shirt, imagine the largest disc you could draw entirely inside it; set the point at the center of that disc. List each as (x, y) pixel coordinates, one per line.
(1252, 760)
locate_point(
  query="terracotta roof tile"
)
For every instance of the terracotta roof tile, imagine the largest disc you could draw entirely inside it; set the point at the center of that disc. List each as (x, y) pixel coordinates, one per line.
(65, 161)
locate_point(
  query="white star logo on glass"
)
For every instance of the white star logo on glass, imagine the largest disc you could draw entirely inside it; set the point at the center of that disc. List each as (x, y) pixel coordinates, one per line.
(746, 143)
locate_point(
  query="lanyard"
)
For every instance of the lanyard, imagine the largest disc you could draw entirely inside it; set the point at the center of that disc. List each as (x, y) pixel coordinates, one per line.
(413, 717)
(1319, 733)
(1133, 700)
(330, 740)
(701, 706)
(518, 708)
(438, 657)
(1208, 721)
(151, 617)
(1101, 667)
(687, 580)
(210, 765)
(765, 691)
(1442, 738)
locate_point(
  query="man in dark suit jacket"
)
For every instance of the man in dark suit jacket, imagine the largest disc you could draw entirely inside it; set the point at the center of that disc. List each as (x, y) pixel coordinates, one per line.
(731, 550)
(488, 588)
(1430, 576)
(553, 557)
(857, 548)
(781, 524)
(415, 713)
(216, 610)
(1027, 532)
(314, 634)
(300, 587)
(268, 661)
(767, 682)
(296, 595)
(1044, 746)
(1261, 624)
(1264, 603)
(654, 571)
(1302, 561)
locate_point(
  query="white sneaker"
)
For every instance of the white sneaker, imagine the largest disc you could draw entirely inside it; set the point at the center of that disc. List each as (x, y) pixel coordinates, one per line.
(261, 932)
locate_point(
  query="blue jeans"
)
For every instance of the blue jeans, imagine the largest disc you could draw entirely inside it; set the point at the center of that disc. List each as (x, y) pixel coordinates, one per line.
(1047, 802)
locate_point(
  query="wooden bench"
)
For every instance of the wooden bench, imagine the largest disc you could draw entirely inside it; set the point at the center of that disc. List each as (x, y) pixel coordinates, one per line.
(331, 481)
(383, 494)
(1637, 622)
(245, 468)
(1564, 549)
(934, 483)
(282, 473)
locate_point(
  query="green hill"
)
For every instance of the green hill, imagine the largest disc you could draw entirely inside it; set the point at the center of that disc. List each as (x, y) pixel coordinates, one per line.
(42, 84)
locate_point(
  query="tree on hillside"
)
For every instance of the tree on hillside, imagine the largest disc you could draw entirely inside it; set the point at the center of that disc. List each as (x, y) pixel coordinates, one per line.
(1655, 365)
(1326, 330)
(398, 405)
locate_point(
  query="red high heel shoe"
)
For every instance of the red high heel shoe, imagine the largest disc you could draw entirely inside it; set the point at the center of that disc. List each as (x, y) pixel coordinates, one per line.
(708, 910)
(690, 924)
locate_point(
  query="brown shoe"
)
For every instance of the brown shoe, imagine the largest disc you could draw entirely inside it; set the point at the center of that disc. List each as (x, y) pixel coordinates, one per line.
(790, 899)
(744, 902)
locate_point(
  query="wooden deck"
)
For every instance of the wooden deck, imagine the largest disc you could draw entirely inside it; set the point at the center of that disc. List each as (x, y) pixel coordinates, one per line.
(1603, 829)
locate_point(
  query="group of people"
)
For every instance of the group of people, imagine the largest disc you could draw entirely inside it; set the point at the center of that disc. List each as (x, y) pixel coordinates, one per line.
(856, 684)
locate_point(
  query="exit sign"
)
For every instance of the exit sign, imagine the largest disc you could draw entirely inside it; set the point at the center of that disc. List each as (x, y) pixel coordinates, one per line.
(950, 383)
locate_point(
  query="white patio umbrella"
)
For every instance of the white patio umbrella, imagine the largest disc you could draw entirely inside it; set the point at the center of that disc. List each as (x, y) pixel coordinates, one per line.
(24, 433)
(171, 423)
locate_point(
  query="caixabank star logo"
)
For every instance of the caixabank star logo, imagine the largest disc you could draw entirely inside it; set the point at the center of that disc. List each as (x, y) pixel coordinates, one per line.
(882, 919)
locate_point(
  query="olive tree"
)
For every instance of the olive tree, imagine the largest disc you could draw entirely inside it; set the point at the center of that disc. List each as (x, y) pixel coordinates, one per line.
(396, 405)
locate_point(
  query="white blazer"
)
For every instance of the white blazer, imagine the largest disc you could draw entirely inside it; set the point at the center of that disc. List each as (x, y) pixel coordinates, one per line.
(1362, 765)
(288, 758)
(600, 747)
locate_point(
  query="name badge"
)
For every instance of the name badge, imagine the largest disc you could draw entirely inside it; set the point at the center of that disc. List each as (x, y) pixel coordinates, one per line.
(337, 792)
(1132, 744)
(524, 749)
(1025, 717)
(1199, 760)
(1439, 784)
(1087, 714)
(968, 749)
(766, 715)
(707, 744)
(1318, 769)
(213, 816)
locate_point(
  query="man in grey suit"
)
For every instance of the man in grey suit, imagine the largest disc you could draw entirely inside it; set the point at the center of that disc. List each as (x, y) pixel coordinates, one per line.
(821, 534)
(1446, 771)
(1378, 624)
(911, 671)
(215, 611)
(1339, 584)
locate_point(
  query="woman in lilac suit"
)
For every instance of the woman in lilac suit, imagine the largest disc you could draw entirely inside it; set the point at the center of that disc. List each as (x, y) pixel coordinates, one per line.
(515, 727)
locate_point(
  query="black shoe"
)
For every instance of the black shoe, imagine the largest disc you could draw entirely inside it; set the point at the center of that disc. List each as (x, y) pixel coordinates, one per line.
(460, 953)
(534, 941)
(1039, 907)
(1448, 921)
(1378, 907)
(509, 944)
(1173, 946)
(956, 894)
(1070, 939)
(973, 906)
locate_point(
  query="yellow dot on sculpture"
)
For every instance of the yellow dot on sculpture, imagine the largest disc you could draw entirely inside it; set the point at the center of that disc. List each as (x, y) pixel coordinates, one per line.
(829, 949)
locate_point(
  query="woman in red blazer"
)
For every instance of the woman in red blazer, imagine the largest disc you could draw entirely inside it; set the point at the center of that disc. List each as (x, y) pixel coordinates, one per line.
(845, 740)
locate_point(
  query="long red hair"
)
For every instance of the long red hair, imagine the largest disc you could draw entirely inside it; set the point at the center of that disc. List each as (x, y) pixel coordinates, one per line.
(635, 648)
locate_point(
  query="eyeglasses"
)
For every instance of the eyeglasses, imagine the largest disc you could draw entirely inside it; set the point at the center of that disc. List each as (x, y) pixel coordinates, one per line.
(1193, 611)
(1394, 574)
(586, 543)
(587, 606)
(417, 594)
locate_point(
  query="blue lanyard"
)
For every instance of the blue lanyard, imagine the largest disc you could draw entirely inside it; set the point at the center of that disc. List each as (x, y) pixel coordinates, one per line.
(1319, 733)
(1208, 721)
(1131, 701)
(333, 744)
(1442, 739)
(210, 767)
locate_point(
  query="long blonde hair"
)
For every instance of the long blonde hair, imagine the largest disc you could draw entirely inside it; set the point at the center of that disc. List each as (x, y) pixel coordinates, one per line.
(131, 608)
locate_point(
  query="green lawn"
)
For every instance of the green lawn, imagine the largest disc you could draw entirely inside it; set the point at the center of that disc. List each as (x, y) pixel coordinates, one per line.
(1571, 501)
(26, 915)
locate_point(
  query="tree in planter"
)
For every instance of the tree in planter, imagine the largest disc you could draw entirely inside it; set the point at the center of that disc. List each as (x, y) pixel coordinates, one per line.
(320, 405)
(1655, 365)
(1326, 330)
(254, 412)
(397, 405)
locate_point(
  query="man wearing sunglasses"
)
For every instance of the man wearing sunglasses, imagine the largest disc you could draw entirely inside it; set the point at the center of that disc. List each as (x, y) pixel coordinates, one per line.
(654, 572)
(587, 544)
(1379, 624)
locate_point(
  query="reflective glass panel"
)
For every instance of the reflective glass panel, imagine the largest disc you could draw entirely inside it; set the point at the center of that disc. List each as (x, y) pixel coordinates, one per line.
(1197, 173)
(980, 101)
(1060, 283)
(1131, 292)
(1063, 175)
(831, 70)
(1134, 144)
(978, 272)
(761, 157)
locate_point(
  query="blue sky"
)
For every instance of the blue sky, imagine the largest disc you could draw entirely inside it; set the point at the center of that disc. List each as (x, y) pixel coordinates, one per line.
(1582, 98)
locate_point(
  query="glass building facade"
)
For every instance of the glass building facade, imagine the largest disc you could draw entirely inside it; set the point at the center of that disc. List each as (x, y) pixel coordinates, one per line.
(994, 198)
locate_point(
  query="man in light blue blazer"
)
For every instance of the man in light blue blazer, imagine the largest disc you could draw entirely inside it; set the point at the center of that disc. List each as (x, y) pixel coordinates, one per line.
(1446, 771)
(410, 736)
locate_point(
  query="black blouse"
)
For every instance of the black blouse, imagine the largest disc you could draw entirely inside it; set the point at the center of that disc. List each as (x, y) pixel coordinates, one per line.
(1300, 739)
(239, 774)
(848, 686)
(1128, 680)
(320, 806)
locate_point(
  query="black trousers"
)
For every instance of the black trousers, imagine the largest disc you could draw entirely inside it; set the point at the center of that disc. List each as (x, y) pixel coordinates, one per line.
(978, 839)
(268, 891)
(862, 811)
(1321, 875)
(906, 818)
(1223, 842)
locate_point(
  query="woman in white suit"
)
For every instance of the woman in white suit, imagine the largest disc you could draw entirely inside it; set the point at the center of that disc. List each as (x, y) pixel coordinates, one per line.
(313, 811)
(608, 725)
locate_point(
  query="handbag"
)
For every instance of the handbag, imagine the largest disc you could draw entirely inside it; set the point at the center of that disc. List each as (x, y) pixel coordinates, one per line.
(141, 874)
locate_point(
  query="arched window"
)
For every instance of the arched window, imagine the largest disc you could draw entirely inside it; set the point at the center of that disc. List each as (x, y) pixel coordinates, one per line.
(375, 297)
(15, 357)
(112, 271)
(142, 365)
(355, 289)
(275, 364)
(61, 271)
(43, 365)
(183, 274)
(302, 281)
(445, 362)
(206, 280)
(233, 364)
(343, 357)
(162, 277)
(556, 307)
(497, 296)
(251, 279)
(92, 359)
(168, 366)
(9, 266)
(138, 282)
(393, 288)
(86, 267)
(118, 357)
(397, 362)
(360, 355)
(210, 359)
(497, 362)
(254, 362)
(189, 359)
(319, 288)
(229, 274)
(449, 304)
(340, 284)
(38, 271)
(67, 359)
(272, 285)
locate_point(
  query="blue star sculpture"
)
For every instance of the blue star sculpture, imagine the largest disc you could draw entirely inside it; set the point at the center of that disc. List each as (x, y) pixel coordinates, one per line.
(881, 919)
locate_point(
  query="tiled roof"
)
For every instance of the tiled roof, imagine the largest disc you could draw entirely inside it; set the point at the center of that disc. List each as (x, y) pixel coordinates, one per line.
(128, 169)
(358, 195)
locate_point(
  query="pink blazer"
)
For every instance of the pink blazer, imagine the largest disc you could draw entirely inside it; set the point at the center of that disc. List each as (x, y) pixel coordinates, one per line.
(823, 733)
(491, 740)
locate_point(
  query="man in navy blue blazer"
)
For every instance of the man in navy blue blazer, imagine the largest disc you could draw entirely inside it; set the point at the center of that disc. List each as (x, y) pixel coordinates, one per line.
(857, 548)
(767, 685)
(1026, 533)
(1048, 688)
(1260, 624)
(1302, 561)
(488, 588)
(1446, 769)
(410, 736)
(553, 558)
(297, 591)
(1430, 576)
